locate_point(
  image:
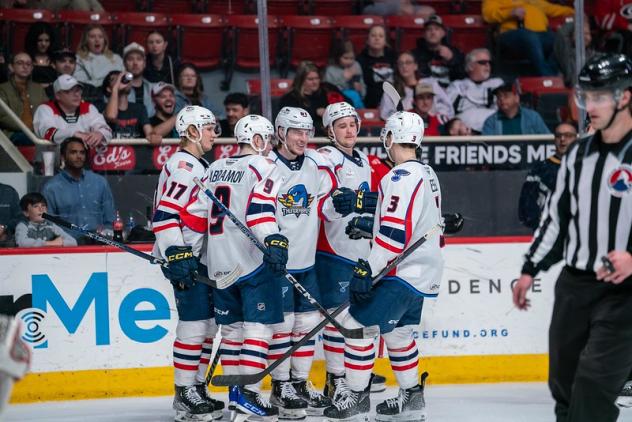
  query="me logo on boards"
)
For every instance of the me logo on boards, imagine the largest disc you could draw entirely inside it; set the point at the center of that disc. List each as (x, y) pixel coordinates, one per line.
(47, 299)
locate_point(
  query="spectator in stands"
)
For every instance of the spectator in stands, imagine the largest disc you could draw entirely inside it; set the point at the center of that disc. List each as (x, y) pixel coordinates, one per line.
(523, 26)
(23, 96)
(39, 43)
(140, 88)
(406, 80)
(4, 71)
(378, 64)
(307, 93)
(160, 65)
(64, 62)
(77, 195)
(423, 105)
(94, 57)
(511, 118)
(191, 90)
(164, 121)
(564, 50)
(614, 19)
(236, 107)
(35, 231)
(541, 179)
(345, 73)
(398, 7)
(126, 119)
(456, 127)
(10, 214)
(435, 57)
(54, 5)
(472, 97)
(68, 116)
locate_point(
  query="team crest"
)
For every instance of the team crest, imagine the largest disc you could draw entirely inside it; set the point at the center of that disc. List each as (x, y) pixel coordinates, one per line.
(620, 181)
(364, 187)
(343, 286)
(296, 201)
(398, 174)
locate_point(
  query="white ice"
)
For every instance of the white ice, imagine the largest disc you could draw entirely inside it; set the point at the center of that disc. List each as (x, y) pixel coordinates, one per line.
(507, 402)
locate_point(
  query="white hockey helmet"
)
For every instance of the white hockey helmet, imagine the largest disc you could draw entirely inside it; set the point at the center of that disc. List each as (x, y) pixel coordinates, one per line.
(253, 124)
(293, 117)
(337, 111)
(405, 128)
(196, 116)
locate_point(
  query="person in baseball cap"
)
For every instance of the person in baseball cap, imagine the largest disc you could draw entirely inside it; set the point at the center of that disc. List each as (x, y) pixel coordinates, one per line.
(163, 122)
(424, 105)
(135, 62)
(66, 83)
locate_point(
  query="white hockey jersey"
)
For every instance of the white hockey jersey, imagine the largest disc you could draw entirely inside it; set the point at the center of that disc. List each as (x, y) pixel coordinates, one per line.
(353, 173)
(473, 102)
(409, 206)
(52, 124)
(303, 198)
(248, 187)
(174, 191)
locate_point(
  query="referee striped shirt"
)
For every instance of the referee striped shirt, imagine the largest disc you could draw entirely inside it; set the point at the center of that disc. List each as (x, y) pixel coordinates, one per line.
(590, 211)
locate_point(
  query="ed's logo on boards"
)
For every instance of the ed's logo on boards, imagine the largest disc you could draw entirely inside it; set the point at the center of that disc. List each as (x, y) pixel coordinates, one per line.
(48, 301)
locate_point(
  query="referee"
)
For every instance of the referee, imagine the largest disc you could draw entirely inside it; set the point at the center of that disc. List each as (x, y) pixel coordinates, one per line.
(589, 216)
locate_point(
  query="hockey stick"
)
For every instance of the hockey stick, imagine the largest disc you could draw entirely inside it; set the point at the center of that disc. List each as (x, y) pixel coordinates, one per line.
(364, 332)
(211, 370)
(248, 379)
(392, 93)
(222, 283)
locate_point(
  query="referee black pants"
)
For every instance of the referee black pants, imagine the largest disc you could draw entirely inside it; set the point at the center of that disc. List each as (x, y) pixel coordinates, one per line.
(590, 346)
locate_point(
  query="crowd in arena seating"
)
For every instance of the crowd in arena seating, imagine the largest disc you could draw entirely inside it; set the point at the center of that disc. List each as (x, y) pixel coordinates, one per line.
(90, 93)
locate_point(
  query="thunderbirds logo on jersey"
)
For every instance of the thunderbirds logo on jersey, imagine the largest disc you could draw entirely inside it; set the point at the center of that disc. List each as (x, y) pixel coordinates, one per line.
(620, 181)
(398, 174)
(296, 201)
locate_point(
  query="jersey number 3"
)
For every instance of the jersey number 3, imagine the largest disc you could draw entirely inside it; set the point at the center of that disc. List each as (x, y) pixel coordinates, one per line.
(216, 225)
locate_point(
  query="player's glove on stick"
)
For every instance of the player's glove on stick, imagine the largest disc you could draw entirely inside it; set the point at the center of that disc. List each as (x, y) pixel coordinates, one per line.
(361, 283)
(347, 201)
(360, 228)
(453, 223)
(276, 255)
(182, 267)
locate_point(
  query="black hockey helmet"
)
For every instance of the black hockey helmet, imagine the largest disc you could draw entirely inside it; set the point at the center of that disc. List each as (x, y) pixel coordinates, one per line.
(606, 71)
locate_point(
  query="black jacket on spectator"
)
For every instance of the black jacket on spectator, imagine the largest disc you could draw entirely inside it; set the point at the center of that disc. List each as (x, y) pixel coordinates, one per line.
(375, 71)
(431, 64)
(10, 213)
(130, 122)
(535, 190)
(166, 74)
(312, 103)
(227, 131)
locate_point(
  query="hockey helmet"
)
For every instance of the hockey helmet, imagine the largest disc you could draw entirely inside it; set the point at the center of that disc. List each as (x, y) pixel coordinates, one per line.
(198, 117)
(253, 124)
(293, 117)
(404, 127)
(337, 111)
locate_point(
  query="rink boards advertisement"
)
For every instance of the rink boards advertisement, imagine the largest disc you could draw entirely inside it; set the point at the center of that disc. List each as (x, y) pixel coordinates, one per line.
(110, 317)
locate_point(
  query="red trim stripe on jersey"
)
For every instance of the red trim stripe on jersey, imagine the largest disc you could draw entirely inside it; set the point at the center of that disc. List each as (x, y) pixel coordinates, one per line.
(166, 204)
(386, 246)
(409, 214)
(195, 223)
(263, 197)
(254, 170)
(261, 220)
(165, 227)
(389, 219)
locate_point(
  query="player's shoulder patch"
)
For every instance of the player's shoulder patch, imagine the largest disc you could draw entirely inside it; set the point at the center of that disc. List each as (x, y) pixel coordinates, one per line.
(398, 174)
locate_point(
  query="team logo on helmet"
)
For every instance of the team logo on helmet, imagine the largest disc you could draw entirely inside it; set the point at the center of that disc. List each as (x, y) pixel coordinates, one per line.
(620, 181)
(398, 174)
(296, 201)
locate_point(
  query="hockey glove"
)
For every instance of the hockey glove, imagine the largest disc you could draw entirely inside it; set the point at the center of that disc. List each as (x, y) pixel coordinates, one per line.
(347, 201)
(361, 283)
(452, 223)
(276, 255)
(360, 228)
(182, 267)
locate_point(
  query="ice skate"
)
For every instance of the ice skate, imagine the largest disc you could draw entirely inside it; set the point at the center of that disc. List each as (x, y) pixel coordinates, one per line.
(408, 406)
(349, 405)
(190, 406)
(291, 406)
(233, 392)
(217, 405)
(332, 383)
(252, 406)
(316, 402)
(378, 383)
(625, 396)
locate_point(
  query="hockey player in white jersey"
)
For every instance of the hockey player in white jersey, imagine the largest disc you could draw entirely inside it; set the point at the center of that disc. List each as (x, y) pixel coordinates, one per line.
(409, 206)
(336, 255)
(247, 184)
(196, 328)
(304, 198)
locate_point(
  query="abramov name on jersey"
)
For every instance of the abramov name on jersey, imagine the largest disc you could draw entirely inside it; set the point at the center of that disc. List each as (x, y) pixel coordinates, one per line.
(225, 175)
